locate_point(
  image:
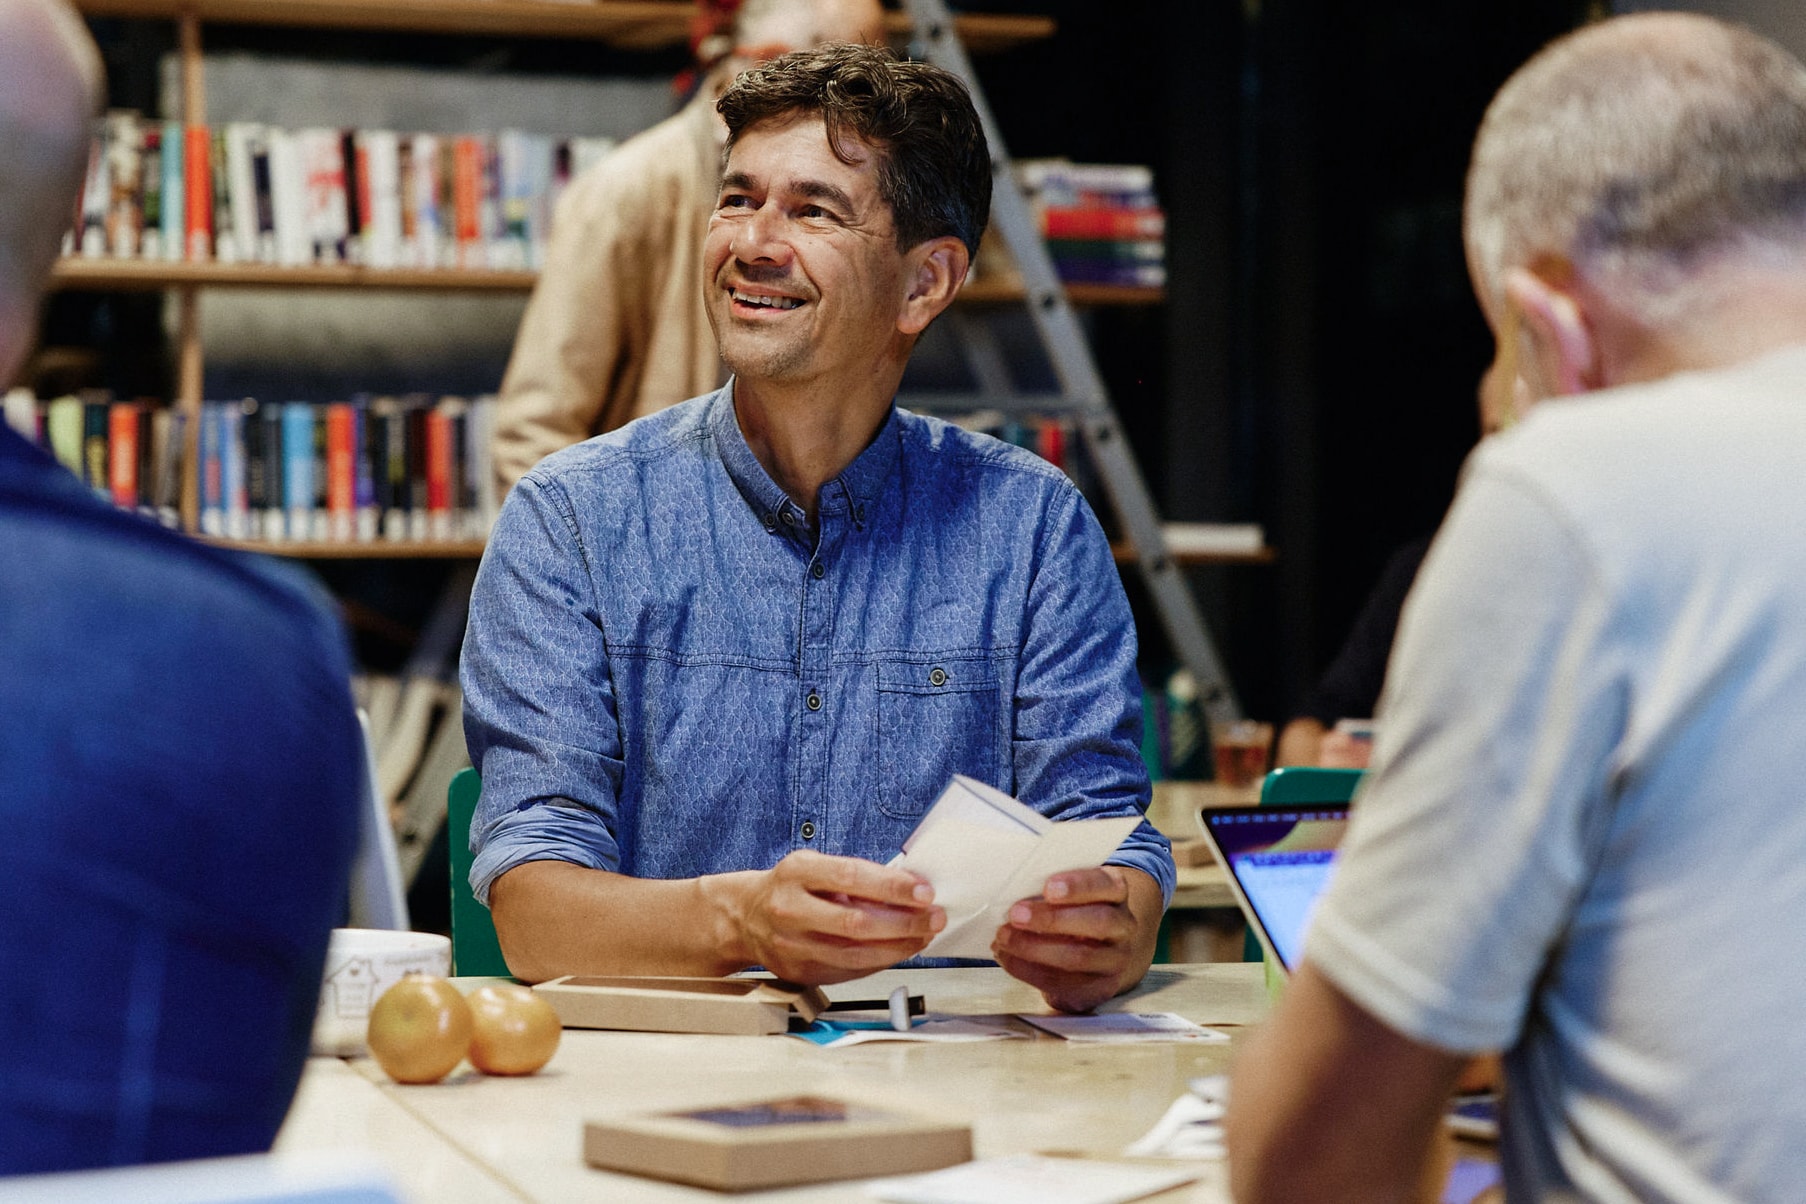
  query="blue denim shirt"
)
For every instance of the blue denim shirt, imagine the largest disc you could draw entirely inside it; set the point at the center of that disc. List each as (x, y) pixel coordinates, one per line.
(666, 674)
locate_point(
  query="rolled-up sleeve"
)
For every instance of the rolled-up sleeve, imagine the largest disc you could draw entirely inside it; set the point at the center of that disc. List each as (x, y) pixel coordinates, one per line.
(539, 706)
(1077, 738)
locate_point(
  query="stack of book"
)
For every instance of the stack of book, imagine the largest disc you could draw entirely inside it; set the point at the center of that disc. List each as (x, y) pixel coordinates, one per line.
(245, 192)
(1101, 221)
(414, 468)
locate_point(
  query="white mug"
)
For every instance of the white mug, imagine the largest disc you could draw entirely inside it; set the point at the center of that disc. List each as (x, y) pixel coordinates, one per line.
(362, 963)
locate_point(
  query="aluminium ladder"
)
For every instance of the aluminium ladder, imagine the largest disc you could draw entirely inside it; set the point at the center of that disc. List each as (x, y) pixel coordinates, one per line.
(1082, 393)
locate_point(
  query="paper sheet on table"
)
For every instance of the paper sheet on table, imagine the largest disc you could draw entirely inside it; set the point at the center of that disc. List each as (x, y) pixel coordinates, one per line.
(947, 1030)
(982, 851)
(1031, 1179)
(1127, 1028)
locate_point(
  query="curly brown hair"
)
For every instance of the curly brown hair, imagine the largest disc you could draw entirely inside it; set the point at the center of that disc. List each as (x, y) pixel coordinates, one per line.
(934, 167)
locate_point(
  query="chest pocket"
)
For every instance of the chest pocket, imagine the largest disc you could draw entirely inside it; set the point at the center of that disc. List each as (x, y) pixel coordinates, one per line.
(937, 718)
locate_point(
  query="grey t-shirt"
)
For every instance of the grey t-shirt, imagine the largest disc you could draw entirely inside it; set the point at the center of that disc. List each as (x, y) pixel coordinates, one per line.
(1585, 836)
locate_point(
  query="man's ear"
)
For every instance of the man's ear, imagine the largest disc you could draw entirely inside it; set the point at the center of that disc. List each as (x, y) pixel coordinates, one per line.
(939, 268)
(1561, 352)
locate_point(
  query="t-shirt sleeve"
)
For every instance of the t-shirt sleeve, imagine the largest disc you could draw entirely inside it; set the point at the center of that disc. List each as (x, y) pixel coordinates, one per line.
(539, 710)
(1472, 839)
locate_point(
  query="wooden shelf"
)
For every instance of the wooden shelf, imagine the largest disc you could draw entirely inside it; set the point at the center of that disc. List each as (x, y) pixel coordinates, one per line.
(135, 275)
(146, 275)
(630, 24)
(448, 549)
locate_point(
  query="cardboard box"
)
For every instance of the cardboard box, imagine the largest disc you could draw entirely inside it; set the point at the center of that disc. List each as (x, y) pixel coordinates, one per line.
(736, 1006)
(774, 1142)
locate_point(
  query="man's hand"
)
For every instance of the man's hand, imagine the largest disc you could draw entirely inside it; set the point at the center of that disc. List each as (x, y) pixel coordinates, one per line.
(813, 918)
(1087, 938)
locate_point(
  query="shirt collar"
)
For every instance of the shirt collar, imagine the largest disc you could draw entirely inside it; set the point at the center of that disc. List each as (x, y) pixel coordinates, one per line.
(851, 493)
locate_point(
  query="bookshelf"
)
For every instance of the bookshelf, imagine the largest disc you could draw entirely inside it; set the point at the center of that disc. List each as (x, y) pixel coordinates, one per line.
(627, 24)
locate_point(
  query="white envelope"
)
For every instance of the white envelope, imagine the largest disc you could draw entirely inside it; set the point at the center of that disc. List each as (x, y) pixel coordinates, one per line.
(982, 851)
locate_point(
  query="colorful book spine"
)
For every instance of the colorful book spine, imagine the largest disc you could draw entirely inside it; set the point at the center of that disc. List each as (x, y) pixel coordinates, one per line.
(438, 474)
(298, 467)
(275, 517)
(219, 170)
(125, 183)
(467, 200)
(234, 496)
(364, 470)
(63, 427)
(169, 430)
(175, 211)
(1089, 222)
(197, 191)
(150, 216)
(357, 197)
(212, 468)
(122, 454)
(94, 444)
(263, 194)
(341, 471)
(257, 481)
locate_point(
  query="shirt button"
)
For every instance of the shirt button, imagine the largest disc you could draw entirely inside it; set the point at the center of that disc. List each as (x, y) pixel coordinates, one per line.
(818, 570)
(814, 701)
(808, 829)
(771, 522)
(937, 677)
(789, 518)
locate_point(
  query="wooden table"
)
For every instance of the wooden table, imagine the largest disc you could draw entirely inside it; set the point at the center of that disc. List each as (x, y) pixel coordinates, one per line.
(474, 1139)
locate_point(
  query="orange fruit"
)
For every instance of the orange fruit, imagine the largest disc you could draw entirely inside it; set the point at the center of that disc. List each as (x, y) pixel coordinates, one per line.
(419, 1029)
(513, 1031)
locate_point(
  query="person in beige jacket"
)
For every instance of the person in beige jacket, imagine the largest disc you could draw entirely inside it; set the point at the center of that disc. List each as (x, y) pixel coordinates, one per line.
(615, 328)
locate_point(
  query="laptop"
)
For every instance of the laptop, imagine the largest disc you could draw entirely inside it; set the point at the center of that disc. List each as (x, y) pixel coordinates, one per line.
(1279, 861)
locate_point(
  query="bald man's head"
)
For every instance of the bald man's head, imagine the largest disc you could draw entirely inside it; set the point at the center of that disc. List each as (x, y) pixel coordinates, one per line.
(50, 91)
(1638, 151)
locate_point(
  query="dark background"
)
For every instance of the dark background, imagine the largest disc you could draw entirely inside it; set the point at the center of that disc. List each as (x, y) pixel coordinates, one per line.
(1314, 365)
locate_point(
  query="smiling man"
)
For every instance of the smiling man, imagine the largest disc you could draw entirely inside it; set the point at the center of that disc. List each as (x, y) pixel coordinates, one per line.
(721, 661)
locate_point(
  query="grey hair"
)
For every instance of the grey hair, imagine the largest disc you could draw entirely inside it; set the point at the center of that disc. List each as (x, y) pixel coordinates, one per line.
(1643, 150)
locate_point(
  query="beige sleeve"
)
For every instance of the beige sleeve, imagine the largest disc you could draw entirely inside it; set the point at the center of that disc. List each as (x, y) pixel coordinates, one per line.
(572, 362)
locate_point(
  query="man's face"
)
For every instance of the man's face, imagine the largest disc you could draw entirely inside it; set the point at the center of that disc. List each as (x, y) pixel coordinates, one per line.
(802, 277)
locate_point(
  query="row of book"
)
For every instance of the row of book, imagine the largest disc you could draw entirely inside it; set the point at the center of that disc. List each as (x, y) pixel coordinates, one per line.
(127, 451)
(413, 468)
(247, 192)
(1101, 221)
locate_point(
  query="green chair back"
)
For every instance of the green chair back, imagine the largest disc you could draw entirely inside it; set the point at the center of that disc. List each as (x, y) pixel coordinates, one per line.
(1301, 786)
(475, 949)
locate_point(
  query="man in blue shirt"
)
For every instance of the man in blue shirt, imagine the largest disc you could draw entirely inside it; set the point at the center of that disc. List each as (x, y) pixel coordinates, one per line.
(720, 662)
(179, 760)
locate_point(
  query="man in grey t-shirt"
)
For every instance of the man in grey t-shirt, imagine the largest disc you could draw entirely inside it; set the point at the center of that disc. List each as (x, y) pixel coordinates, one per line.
(1584, 840)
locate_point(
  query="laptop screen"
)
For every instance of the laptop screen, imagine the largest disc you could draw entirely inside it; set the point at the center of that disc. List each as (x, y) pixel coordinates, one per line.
(1280, 860)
